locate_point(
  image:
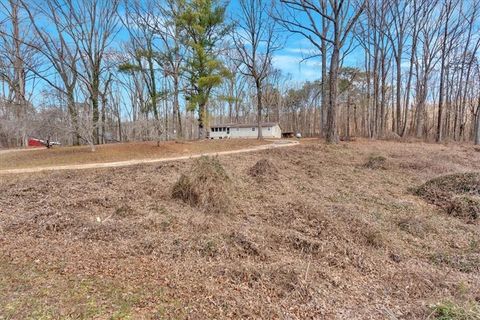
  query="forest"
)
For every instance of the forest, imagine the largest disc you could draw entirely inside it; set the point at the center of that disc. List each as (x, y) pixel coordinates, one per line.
(99, 71)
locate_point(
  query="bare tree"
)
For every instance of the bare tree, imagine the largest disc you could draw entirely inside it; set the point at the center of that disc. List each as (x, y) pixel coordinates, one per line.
(256, 39)
(54, 47)
(397, 33)
(449, 37)
(341, 16)
(15, 49)
(92, 26)
(172, 55)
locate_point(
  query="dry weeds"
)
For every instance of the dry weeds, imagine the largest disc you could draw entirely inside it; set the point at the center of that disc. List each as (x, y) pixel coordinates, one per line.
(376, 162)
(458, 194)
(206, 186)
(329, 239)
(264, 169)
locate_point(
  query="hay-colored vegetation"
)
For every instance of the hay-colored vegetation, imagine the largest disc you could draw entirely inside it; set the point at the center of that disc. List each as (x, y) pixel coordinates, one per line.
(263, 168)
(206, 186)
(458, 194)
(376, 162)
(328, 239)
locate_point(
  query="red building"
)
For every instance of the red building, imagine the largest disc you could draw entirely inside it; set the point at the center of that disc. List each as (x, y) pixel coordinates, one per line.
(32, 142)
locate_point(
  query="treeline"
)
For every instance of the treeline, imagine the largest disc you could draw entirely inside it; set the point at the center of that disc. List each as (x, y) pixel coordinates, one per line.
(96, 71)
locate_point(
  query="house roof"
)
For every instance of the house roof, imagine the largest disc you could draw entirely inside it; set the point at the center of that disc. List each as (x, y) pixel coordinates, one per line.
(243, 125)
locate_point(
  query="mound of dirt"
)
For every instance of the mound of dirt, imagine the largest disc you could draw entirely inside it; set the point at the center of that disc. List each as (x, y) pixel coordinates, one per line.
(206, 186)
(376, 162)
(262, 169)
(458, 194)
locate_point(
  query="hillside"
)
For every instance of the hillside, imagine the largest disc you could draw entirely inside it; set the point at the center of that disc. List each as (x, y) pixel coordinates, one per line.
(334, 232)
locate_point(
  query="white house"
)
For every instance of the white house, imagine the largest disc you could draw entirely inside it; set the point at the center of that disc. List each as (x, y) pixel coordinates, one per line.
(244, 131)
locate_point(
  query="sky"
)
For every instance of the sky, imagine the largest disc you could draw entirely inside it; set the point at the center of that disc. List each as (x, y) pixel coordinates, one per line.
(291, 58)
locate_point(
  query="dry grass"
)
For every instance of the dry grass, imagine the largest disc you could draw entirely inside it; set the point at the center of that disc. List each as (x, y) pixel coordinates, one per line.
(328, 239)
(117, 152)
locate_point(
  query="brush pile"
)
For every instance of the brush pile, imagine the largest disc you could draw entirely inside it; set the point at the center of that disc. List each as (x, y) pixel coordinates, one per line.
(206, 186)
(458, 194)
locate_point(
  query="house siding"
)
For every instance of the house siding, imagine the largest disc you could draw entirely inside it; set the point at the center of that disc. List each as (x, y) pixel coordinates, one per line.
(246, 132)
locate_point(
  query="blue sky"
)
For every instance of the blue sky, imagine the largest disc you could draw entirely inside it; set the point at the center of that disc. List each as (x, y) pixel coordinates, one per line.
(291, 58)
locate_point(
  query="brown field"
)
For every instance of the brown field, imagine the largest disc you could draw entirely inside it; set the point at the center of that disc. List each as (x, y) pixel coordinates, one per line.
(116, 152)
(331, 233)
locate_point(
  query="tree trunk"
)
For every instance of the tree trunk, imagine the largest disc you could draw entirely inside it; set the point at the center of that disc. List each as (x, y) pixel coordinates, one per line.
(409, 83)
(331, 135)
(348, 118)
(202, 117)
(104, 116)
(439, 135)
(259, 108)
(477, 125)
(74, 116)
(176, 110)
(324, 80)
(95, 118)
(398, 123)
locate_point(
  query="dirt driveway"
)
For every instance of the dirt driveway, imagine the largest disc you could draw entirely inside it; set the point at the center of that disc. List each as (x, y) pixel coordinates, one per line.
(274, 144)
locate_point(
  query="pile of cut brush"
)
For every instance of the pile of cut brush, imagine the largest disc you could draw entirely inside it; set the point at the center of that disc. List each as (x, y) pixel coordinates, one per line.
(376, 162)
(264, 168)
(458, 194)
(206, 186)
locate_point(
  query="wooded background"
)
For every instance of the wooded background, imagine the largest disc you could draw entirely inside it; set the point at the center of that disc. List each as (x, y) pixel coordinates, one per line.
(99, 71)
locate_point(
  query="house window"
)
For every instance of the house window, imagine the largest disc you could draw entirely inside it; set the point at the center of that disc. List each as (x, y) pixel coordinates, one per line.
(269, 128)
(253, 129)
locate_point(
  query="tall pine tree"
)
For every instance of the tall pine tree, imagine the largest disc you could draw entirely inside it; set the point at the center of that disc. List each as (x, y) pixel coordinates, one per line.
(203, 27)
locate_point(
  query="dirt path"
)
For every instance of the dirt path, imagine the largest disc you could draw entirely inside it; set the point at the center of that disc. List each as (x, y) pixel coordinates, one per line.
(16, 150)
(274, 144)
